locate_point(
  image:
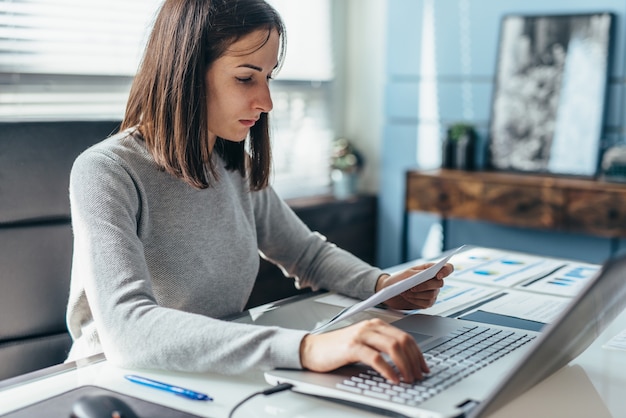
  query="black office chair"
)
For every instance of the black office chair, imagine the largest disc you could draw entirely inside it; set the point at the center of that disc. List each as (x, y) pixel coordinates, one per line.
(36, 238)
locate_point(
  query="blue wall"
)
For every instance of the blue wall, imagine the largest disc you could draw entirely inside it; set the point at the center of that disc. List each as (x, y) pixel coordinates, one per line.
(466, 35)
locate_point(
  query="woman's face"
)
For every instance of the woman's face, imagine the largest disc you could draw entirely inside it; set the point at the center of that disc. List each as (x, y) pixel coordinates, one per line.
(238, 86)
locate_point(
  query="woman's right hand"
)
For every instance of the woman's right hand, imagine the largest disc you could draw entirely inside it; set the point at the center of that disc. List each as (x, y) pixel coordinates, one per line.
(365, 342)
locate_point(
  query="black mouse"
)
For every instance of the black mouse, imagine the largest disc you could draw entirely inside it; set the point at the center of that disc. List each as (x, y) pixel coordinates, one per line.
(102, 406)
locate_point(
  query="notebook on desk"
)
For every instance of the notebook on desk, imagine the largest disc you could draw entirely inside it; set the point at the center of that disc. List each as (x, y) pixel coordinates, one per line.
(475, 368)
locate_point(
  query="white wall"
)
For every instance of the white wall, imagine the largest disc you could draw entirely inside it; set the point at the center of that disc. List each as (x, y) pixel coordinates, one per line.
(363, 80)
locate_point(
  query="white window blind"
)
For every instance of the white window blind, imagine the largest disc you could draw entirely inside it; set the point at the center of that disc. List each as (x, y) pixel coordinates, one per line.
(70, 59)
(86, 37)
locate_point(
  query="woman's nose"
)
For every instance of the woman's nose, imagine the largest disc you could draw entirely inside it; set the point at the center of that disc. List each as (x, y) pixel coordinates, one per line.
(264, 99)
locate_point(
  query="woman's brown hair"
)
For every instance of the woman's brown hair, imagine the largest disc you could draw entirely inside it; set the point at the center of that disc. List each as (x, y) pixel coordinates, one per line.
(167, 100)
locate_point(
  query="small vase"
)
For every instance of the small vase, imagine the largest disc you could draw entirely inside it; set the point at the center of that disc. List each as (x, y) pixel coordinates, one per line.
(343, 184)
(465, 153)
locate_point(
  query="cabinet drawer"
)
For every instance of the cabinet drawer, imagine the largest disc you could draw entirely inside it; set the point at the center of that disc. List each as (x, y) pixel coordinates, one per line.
(597, 212)
(523, 206)
(454, 198)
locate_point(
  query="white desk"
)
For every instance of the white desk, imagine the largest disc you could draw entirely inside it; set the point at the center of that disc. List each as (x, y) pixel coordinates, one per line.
(593, 385)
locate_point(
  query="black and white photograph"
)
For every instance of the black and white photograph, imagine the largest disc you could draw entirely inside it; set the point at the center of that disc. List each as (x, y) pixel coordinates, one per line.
(548, 102)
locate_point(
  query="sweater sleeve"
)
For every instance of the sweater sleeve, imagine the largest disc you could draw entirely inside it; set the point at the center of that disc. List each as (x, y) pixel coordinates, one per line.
(306, 255)
(112, 304)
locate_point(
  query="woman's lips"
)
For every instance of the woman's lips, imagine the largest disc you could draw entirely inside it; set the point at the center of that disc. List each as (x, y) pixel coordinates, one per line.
(248, 122)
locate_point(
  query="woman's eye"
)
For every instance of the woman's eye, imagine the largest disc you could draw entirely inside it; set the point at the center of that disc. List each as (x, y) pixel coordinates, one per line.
(244, 79)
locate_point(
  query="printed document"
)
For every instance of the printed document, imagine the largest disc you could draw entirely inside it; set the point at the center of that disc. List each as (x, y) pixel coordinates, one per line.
(388, 292)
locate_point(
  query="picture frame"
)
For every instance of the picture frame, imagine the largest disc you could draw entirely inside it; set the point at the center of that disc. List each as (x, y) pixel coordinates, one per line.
(549, 99)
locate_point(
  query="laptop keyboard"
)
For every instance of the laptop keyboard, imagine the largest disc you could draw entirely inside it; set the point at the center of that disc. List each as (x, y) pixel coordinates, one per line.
(453, 358)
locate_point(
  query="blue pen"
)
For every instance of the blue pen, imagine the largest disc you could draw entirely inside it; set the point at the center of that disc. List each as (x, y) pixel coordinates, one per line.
(187, 393)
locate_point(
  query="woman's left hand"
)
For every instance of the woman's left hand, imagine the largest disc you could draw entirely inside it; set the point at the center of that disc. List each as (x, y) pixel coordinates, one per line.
(421, 296)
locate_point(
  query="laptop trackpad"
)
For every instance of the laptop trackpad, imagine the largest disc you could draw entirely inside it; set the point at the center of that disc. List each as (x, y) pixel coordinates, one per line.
(419, 337)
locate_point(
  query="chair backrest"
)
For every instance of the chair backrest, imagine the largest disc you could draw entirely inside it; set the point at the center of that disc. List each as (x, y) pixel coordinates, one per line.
(36, 238)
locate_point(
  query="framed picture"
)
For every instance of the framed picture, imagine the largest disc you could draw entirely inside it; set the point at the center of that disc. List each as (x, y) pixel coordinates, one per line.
(549, 99)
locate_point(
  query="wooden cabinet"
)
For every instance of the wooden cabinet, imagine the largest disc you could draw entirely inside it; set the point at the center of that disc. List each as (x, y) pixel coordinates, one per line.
(529, 201)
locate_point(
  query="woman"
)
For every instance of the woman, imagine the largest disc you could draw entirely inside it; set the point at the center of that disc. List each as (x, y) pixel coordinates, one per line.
(170, 214)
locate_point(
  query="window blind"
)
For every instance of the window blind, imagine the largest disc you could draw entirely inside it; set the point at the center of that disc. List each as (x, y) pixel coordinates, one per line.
(70, 59)
(86, 37)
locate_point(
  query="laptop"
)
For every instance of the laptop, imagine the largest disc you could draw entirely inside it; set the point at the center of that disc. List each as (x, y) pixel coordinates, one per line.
(476, 368)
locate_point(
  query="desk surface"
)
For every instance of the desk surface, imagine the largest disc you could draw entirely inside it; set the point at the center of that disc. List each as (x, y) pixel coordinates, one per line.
(591, 385)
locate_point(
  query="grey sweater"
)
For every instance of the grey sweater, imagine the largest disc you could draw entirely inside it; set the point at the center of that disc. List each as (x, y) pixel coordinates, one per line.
(156, 261)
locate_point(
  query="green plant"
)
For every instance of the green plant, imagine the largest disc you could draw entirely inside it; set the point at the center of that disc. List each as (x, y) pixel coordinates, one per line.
(458, 130)
(345, 157)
